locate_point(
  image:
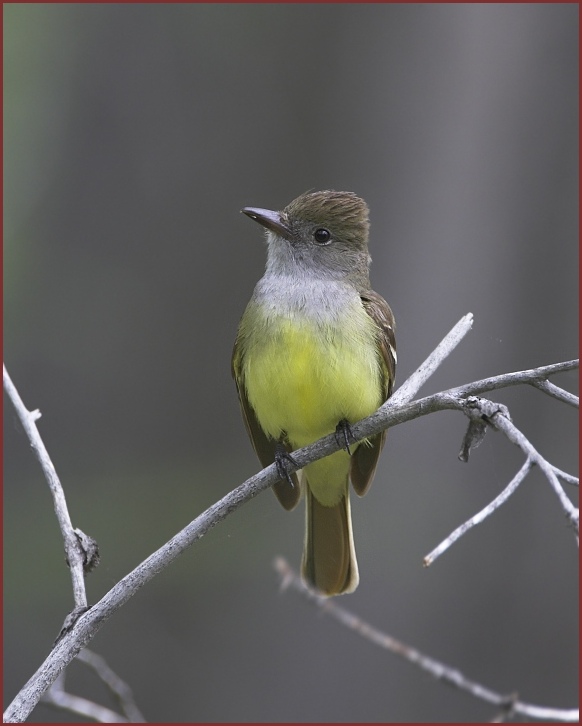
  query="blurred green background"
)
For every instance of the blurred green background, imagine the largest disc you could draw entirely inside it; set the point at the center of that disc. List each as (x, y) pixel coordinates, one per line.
(133, 135)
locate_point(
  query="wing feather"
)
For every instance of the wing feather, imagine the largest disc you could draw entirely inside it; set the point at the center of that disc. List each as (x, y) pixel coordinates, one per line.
(365, 458)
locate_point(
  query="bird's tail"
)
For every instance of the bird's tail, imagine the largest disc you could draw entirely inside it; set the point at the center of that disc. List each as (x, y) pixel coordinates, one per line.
(329, 557)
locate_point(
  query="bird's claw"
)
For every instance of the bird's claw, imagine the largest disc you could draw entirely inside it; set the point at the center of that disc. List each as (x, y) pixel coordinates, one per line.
(343, 434)
(282, 458)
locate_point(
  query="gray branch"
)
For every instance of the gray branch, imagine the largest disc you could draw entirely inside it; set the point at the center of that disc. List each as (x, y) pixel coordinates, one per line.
(118, 687)
(413, 383)
(73, 548)
(556, 392)
(482, 515)
(58, 697)
(568, 478)
(503, 423)
(507, 703)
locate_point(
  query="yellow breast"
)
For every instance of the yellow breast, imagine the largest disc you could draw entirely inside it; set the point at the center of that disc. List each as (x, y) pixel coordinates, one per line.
(303, 378)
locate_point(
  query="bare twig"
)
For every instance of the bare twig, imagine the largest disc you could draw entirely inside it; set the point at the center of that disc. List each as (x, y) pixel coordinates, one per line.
(568, 478)
(118, 687)
(503, 423)
(487, 412)
(59, 698)
(517, 378)
(439, 670)
(482, 515)
(556, 392)
(73, 549)
(413, 383)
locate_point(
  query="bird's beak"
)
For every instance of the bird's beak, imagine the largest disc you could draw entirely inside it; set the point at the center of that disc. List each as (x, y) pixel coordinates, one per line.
(273, 221)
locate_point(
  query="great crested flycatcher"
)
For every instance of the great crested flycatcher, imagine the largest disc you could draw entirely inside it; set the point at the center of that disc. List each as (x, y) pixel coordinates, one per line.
(315, 352)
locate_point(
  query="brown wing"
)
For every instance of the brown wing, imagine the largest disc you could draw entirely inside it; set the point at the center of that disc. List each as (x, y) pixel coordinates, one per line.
(365, 458)
(263, 445)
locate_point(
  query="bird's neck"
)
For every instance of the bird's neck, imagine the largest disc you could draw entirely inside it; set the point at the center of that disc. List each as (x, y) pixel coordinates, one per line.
(320, 300)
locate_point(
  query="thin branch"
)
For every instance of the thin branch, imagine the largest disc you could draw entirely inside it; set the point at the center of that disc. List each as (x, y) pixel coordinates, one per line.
(568, 478)
(503, 423)
(556, 392)
(435, 668)
(505, 380)
(482, 515)
(73, 550)
(58, 697)
(118, 687)
(497, 415)
(412, 385)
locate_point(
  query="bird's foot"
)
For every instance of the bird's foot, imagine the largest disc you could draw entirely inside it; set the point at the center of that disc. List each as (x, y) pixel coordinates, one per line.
(282, 458)
(343, 434)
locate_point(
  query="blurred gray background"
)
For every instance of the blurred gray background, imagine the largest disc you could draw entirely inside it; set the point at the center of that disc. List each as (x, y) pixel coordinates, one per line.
(134, 134)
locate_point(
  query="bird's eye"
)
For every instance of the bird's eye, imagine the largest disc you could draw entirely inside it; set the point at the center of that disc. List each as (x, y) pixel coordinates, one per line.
(322, 236)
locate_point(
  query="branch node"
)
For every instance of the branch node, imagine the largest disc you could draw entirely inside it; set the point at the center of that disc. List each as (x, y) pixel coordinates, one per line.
(90, 550)
(70, 621)
(482, 409)
(481, 412)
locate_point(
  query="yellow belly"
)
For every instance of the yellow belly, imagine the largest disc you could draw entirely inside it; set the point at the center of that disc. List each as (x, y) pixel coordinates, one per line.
(302, 379)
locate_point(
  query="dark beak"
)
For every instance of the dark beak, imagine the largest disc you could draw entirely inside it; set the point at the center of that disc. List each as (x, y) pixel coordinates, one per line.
(273, 221)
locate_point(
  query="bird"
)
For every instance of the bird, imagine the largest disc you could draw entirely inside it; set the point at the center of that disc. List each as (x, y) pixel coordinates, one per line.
(314, 353)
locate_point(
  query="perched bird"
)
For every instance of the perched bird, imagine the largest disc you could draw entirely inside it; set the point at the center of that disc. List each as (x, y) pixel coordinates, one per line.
(315, 352)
